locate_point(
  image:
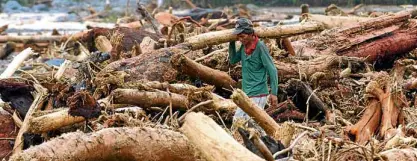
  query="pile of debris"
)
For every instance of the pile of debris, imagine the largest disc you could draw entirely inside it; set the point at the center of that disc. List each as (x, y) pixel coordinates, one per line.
(164, 90)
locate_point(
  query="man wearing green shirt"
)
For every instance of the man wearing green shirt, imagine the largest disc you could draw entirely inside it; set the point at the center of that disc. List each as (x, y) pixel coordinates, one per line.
(257, 64)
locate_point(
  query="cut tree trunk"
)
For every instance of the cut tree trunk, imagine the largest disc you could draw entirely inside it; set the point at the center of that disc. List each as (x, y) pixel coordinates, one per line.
(206, 74)
(155, 144)
(219, 37)
(376, 39)
(368, 125)
(149, 99)
(212, 141)
(259, 115)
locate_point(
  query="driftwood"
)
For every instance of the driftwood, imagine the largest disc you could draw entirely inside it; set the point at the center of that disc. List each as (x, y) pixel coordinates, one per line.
(218, 37)
(17, 61)
(259, 115)
(209, 75)
(376, 39)
(7, 127)
(399, 154)
(212, 141)
(149, 99)
(164, 145)
(52, 121)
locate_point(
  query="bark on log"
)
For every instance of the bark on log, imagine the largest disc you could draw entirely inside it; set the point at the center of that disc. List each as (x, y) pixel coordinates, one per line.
(206, 74)
(260, 116)
(52, 121)
(146, 99)
(376, 39)
(368, 125)
(219, 37)
(212, 141)
(155, 144)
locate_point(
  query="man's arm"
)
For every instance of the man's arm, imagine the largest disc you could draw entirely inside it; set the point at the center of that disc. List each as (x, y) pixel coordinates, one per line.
(271, 69)
(234, 56)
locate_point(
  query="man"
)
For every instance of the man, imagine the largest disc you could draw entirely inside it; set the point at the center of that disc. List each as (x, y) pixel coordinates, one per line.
(256, 65)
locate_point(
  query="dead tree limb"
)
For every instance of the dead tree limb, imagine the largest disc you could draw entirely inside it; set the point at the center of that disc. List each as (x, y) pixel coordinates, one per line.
(155, 144)
(212, 141)
(207, 74)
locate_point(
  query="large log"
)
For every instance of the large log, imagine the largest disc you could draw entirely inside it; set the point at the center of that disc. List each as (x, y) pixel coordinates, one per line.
(219, 37)
(155, 144)
(206, 74)
(259, 115)
(376, 39)
(212, 141)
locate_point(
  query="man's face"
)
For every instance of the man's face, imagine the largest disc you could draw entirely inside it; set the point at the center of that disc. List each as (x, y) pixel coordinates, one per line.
(244, 38)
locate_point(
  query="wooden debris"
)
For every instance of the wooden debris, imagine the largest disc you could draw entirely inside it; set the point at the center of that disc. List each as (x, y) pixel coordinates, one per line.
(212, 141)
(164, 145)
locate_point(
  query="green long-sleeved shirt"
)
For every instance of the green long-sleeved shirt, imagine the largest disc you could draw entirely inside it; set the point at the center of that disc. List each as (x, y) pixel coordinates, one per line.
(255, 68)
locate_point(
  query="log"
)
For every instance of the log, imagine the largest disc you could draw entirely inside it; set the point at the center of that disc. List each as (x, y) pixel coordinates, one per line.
(15, 64)
(52, 121)
(377, 39)
(219, 37)
(368, 125)
(212, 141)
(206, 74)
(155, 144)
(147, 99)
(259, 115)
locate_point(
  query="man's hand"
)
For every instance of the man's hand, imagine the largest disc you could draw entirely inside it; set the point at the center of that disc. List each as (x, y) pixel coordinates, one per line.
(273, 100)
